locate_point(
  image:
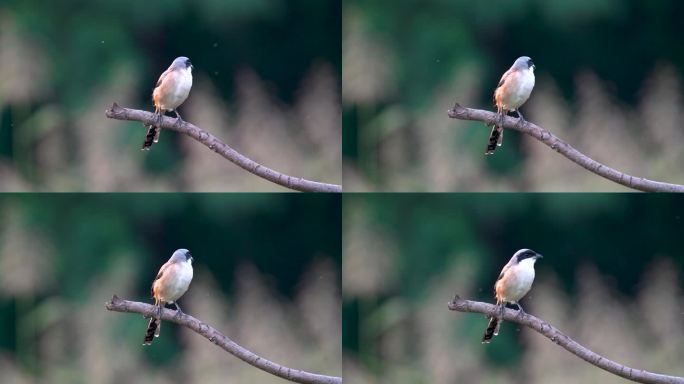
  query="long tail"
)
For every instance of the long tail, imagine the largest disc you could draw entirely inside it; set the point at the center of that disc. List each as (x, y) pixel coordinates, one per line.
(152, 135)
(153, 327)
(495, 139)
(492, 330)
(152, 330)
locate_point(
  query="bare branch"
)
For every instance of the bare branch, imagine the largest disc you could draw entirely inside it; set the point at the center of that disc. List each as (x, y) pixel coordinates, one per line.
(564, 341)
(211, 334)
(216, 145)
(565, 149)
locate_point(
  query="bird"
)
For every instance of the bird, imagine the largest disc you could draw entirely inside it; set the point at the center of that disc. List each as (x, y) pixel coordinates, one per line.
(171, 283)
(512, 285)
(513, 90)
(172, 89)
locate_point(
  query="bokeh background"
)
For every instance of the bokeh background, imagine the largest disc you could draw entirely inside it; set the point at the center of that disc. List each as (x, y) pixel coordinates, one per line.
(611, 278)
(609, 82)
(266, 274)
(266, 81)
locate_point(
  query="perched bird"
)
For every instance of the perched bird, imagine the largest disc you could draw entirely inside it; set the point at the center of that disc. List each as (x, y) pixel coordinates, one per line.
(512, 285)
(171, 283)
(171, 91)
(512, 92)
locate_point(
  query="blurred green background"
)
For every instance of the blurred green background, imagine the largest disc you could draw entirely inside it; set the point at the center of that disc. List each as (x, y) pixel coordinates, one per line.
(266, 274)
(611, 278)
(266, 81)
(609, 75)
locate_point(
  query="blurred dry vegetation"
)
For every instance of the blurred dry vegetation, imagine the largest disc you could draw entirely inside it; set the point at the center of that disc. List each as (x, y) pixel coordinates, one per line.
(617, 98)
(400, 270)
(52, 293)
(57, 80)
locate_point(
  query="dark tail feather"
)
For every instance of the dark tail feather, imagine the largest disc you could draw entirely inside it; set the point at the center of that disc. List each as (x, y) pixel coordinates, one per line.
(151, 137)
(491, 331)
(152, 331)
(495, 139)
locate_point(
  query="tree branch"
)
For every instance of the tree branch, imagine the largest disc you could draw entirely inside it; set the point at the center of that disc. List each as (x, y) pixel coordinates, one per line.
(210, 141)
(565, 149)
(211, 334)
(564, 341)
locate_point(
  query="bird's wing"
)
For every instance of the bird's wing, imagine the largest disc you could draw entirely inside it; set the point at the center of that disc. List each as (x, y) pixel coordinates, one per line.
(499, 280)
(163, 75)
(501, 82)
(503, 78)
(161, 270)
(503, 271)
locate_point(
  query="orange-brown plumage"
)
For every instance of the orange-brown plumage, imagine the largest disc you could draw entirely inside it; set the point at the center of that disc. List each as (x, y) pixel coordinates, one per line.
(161, 291)
(161, 91)
(506, 82)
(159, 281)
(171, 90)
(513, 283)
(171, 283)
(513, 90)
(501, 283)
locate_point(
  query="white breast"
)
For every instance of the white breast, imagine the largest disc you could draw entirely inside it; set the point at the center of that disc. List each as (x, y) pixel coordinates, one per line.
(520, 280)
(177, 282)
(178, 90)
(519, 90)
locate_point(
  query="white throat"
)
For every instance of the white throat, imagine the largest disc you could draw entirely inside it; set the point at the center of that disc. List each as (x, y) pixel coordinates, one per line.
(528, 264)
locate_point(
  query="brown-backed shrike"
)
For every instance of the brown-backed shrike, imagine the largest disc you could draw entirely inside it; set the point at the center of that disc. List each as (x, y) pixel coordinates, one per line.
(512, 92)
(512, 285)
(171, 283)
(171, 91)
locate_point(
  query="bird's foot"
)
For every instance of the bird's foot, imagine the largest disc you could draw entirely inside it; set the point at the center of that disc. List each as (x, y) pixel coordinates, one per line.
(179, 122)
(521, 313)
(178, 310)
(521, 120)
